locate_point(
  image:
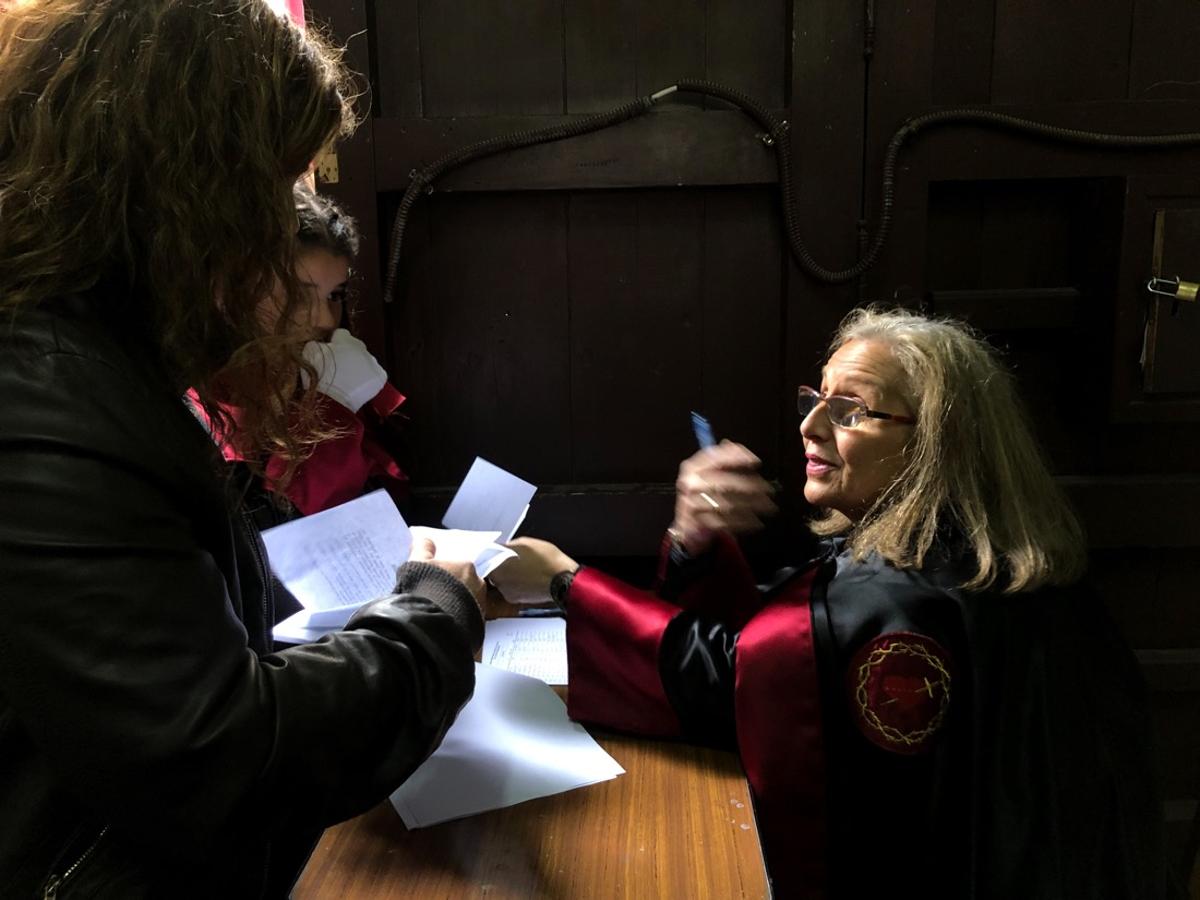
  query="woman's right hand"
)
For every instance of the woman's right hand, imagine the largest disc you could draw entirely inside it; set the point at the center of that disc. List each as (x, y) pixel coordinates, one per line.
(526, 578)
(719, 489)
(424, 550)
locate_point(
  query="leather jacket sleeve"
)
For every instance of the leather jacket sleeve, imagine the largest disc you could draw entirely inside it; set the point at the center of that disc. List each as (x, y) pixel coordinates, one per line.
(124, 660)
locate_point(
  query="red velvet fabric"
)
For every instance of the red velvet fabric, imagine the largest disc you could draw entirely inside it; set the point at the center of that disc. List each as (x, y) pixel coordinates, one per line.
(386, 402)
(338, 468)
(778, 712)
(613, 637)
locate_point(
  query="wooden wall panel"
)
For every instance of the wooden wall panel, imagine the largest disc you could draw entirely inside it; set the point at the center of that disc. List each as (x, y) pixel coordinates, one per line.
(963, 38)
(1163, 59)
(396, 37)
(740, 354)
(491, 58)
(601, 54)
(635, 331)
(491, 375)
(747, 48)
(670, 42)
(1069, 51)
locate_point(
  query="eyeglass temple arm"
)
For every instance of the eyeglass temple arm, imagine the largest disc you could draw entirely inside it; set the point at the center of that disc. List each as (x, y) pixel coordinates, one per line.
(907, 420)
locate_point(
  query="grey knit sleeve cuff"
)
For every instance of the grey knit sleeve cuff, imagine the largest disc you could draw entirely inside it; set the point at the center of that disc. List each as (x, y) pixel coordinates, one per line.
(439, 587)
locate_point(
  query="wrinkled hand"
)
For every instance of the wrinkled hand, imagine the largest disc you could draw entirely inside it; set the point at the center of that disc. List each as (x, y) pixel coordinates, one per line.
(424, 550)
(525, 579)
(346, 370)
(719, 489)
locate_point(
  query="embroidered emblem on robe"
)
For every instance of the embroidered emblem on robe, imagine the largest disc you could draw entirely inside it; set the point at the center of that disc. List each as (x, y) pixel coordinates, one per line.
(899, 688)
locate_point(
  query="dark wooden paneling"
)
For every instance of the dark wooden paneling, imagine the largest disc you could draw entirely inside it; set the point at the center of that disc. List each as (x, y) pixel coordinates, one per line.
(1173, 334)
(901, 81)
(396, 37)
(1067, 51)
(495, 58)
(747, 48)
(1007, 234)
(601, 54)
(670, 146)
(1138, 511)
(1163, 60)
(963, 35)
(670, 42)
(740, 355)
(636, 330)
(1130, 403)
(494, 350)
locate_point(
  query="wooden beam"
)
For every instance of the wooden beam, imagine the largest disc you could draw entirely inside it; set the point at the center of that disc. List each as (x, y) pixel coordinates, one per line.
(663, 148)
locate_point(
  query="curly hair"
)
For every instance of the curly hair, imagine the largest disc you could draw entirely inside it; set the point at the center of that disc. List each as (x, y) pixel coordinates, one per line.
(324, 224)
(147, 160)
(973, 465)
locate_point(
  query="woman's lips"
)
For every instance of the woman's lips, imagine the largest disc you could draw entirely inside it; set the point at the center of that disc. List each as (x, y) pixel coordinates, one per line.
(817, 467)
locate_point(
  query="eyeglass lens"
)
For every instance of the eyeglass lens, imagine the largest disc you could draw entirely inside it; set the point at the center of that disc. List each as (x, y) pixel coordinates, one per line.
(841, 410)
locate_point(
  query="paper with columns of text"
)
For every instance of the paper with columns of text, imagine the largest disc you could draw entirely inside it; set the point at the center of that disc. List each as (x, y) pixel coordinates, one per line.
(533, 647)
(512, 742)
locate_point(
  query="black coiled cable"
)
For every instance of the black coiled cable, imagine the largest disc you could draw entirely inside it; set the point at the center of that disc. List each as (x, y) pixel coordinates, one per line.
(776, 135)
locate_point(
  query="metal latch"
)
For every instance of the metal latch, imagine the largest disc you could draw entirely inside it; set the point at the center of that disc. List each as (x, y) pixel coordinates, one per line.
(1174, 289)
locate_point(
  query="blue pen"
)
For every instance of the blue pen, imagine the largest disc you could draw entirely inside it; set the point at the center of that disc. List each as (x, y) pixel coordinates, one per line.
(704, 432)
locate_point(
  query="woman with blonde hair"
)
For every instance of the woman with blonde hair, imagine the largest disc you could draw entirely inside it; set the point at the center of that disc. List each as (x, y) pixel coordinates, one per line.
(934, 705)
(151, 745)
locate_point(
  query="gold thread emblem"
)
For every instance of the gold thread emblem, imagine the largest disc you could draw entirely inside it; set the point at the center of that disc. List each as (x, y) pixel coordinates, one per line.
(889, 732)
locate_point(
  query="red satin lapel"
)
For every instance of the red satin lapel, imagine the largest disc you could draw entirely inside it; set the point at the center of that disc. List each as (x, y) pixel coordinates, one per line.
(778, 711)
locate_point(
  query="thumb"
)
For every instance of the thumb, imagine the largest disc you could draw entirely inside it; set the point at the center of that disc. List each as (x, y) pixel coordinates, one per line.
(423, 549)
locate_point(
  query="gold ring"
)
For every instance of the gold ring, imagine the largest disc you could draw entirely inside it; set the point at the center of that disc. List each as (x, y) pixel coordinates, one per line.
(710, 501)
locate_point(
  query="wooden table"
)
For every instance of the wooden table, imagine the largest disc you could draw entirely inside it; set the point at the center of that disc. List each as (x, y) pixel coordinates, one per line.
(678, 824)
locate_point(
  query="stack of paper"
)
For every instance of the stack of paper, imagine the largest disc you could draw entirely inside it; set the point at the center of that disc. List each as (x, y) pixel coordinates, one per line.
(512, 742)
(335, 561)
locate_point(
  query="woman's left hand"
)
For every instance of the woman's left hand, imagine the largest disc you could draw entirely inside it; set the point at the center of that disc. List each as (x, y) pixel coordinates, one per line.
(525, 579)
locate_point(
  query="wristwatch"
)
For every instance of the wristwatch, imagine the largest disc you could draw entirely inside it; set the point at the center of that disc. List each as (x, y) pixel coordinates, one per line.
(560, 584)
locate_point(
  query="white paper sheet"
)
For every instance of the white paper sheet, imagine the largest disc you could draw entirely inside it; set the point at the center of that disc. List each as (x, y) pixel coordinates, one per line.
(533, 647)
(337, 560)
(341, 557)
(511, 743)
(459, 544)
(490, 499)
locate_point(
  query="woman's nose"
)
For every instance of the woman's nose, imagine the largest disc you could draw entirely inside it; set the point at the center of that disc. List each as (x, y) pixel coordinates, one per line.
(815, 426)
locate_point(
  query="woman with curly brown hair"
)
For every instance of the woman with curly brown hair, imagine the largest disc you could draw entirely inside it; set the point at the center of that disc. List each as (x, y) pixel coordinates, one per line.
(150, 743)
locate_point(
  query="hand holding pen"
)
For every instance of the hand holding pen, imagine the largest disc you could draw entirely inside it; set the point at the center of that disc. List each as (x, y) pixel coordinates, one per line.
(719, 488)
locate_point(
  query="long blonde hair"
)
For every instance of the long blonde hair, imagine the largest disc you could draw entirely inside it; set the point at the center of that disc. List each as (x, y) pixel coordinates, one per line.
(973, 466)
(149, 147)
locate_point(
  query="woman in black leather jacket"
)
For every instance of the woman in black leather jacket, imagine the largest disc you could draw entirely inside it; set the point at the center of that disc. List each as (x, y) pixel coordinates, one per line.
(932, 706)
(151, 745)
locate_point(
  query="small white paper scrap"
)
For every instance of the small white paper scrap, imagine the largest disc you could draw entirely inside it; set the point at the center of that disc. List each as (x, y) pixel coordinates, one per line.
(533, 647)
(511, 743)
(490, 499)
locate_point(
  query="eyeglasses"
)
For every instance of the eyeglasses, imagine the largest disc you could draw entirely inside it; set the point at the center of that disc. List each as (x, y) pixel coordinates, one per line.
(845, 412)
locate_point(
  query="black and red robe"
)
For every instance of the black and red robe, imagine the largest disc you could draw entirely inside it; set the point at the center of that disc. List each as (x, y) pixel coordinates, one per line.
(901, 737)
